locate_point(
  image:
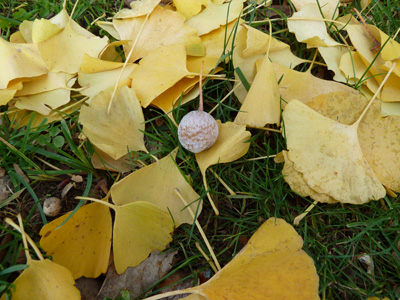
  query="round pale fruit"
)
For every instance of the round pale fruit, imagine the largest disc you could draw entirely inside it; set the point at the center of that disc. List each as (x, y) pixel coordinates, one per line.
(197, 131)
(52, 206)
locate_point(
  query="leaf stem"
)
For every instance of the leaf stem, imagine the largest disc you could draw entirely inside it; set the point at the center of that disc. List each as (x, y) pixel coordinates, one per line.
(203, 235)
(112, 206)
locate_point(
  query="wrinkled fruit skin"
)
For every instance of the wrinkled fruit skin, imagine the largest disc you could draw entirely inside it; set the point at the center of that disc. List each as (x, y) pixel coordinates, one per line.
(197, 131)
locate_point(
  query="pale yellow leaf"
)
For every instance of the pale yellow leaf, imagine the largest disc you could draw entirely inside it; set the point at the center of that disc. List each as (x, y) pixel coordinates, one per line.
(121, 130)
(159, 178)
(307, 27)
(262, 103)
(138, 8)
(158, 71)
(190, 8)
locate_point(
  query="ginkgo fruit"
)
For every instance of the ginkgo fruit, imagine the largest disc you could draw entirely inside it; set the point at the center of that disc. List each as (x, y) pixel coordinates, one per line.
(198, 130)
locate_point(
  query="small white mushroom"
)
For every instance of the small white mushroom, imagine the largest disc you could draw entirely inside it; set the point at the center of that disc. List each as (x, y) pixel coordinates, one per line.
(52, 207)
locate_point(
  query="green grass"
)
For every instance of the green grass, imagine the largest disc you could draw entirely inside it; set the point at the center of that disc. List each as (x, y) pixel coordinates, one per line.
(334, 235)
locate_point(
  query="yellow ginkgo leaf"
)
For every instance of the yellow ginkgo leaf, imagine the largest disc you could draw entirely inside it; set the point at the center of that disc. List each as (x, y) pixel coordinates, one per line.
(271, 266)
(391, 89)
(43, 30)
(330, 8)
(262, 103)
(45, 102)
(45, 83)
(378, 136)
(230, 145)
(332, 57)
(159, 178)
(159, 71)
(340, 172)
(215, 15)
(139, 229)
(64, 51)
(364, 44)
(190, 8)
(83, 243)
(25, 28)
(20, 60)
(101, 160)
(138, 8)
(98, 75)
(251, 45)
(45, 280)
(309, 27)
(8, 94)
(390, 48)
(390, 109)
(172, 31)
(304, 86)
(121, 130)
(297, 184)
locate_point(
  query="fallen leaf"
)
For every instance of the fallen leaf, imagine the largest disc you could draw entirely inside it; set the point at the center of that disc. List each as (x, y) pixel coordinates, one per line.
(379, 137)
(304, 86)
(271, 266)
(158, 71)
(215, 15)
(118, 132)
(73, 45)
(252, 45)
(339, 172)
(138, 8)
(262, 103)
(190, 8)
(163, 27)
(83, 243)
(101, 160)
(332, 57)
(329, 8)
(309, 27)
(97, 75)
(137, 279)
(230, 145)
(139, 228)
(160, 178)
(20, 60)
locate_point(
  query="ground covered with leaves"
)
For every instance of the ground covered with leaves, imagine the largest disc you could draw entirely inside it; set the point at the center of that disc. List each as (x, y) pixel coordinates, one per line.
(306, 97)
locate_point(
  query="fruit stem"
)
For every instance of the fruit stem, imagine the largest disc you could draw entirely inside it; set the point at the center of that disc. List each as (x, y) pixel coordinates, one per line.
(201, 86)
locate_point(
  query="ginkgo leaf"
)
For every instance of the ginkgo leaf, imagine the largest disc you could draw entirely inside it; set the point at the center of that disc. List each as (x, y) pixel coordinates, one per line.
(45, 102)
(262, 103)
(297, 183)
(172, 31)
(363, 43)
(307, 27)
(138, 8)
(44, 280)
(340, 172)
(390, 48)
(8, 94)
(64, 51)
(47, 82)
(83, 243)
(390, 109)
(98, 75)
(304, 86)
(101, 160)
(250, 46)
(139, 229)
(330, 8)
(159, 178)
(118, 132)
(43, 30)
(271, 266)
(159, 71)
(378, 136)
(232, 143)
(190, 8)
(332, 56)
(20, 60)
(215, 15)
